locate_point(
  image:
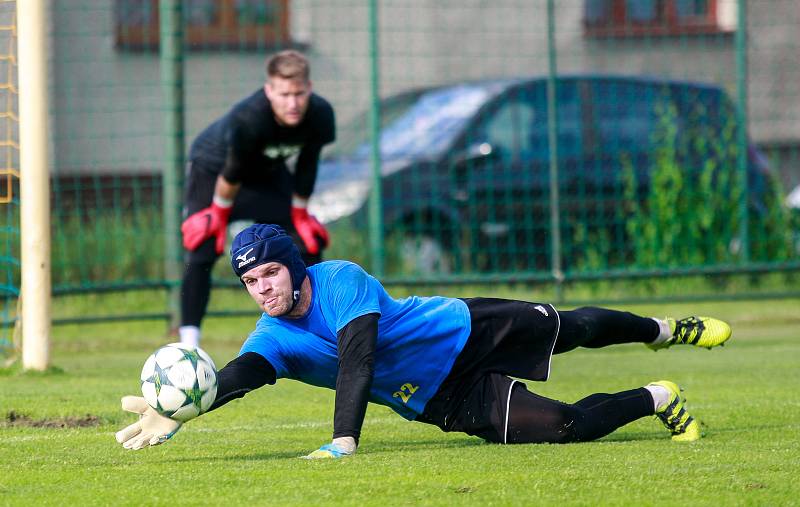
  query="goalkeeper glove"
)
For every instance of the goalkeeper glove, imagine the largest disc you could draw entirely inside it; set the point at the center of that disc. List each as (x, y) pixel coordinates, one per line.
(338, 448)
(152, 428)
(206, 223)
(313, 233)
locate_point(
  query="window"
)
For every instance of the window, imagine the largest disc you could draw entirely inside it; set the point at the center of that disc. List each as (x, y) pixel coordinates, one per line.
(570, 110)
(633, 18)
(208, 24)
(509, 129)
(626, 114)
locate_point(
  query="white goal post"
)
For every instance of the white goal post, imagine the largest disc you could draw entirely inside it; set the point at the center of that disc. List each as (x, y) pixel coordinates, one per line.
(34, 135)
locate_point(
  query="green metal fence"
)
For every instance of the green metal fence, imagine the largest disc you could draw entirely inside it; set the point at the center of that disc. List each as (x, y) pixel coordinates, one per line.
(507, 141)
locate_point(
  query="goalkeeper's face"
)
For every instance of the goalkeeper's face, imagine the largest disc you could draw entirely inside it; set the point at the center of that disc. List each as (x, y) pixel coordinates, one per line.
(270, 285)
(289, 99)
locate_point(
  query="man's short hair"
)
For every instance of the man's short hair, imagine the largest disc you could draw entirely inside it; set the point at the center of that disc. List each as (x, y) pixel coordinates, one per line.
(288, 64)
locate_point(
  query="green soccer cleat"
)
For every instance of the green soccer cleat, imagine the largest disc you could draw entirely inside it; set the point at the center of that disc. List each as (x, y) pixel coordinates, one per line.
(684, 427)
(698, 331)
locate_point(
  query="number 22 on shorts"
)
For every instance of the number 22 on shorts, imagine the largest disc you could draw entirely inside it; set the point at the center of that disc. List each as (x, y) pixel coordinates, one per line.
(405, 392)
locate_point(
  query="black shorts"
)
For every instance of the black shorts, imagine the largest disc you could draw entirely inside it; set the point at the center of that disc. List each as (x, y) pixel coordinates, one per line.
(267, 201)
(508, 339)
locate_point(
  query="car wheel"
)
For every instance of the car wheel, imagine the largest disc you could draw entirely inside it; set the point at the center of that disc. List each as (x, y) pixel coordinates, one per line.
(425, 255)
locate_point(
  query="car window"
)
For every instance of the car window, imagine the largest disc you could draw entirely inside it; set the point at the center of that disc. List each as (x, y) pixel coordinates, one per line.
(531, 104)
(421, 125)
(570, 123)
(625, 115)
(432, 122)
(509, 129)
(518, 127)
(354, 135)
(706, 118)
(570, 128)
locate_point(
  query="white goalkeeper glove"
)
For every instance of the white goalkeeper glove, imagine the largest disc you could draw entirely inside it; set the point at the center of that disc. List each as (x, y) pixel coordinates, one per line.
(152, 428)
(338, 448)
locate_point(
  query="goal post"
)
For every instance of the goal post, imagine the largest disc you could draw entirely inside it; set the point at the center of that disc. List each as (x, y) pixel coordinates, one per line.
(34, 135)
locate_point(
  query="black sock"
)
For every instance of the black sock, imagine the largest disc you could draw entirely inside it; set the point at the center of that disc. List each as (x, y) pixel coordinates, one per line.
(195, 293)
(599, 327)
(536, 419)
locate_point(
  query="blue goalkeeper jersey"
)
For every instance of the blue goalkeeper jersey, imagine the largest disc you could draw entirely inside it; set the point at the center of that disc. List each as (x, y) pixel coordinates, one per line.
(418, 337)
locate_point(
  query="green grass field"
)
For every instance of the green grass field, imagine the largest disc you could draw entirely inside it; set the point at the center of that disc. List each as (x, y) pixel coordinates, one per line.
(57, 445)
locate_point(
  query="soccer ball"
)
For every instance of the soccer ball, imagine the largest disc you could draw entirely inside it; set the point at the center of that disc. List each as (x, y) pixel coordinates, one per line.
(178, 381)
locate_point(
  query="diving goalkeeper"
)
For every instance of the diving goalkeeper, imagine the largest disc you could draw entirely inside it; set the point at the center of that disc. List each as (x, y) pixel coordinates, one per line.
(437, 360)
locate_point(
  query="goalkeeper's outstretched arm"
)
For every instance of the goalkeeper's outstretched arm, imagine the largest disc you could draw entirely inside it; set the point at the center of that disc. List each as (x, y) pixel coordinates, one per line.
(245, 373)
(356, 343)
(242, 375)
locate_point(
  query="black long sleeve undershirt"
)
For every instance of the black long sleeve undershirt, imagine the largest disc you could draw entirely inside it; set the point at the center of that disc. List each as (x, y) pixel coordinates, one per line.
(242, 375)
(356, 348)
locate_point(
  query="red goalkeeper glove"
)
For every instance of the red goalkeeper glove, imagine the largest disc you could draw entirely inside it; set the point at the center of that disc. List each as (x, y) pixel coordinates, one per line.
(206, 223)
(313, 233)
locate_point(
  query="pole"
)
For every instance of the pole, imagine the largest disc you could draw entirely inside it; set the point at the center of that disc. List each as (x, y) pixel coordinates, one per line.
(34, 134)
(171, 61)
(375, 199)
(552, 138)
(741, 126)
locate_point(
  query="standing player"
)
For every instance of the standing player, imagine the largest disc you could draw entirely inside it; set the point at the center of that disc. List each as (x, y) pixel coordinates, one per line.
(437, 360)
(237, 170)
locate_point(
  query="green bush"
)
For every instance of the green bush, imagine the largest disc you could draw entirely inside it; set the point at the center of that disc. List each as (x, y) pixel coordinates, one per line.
(690, 216)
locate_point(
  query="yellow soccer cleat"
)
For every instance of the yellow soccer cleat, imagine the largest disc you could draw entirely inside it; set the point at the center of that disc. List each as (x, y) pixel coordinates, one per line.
(684, 427)
(698, 331)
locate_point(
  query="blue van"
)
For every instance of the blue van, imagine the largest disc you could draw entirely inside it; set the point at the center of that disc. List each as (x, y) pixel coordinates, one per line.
(466, 167)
